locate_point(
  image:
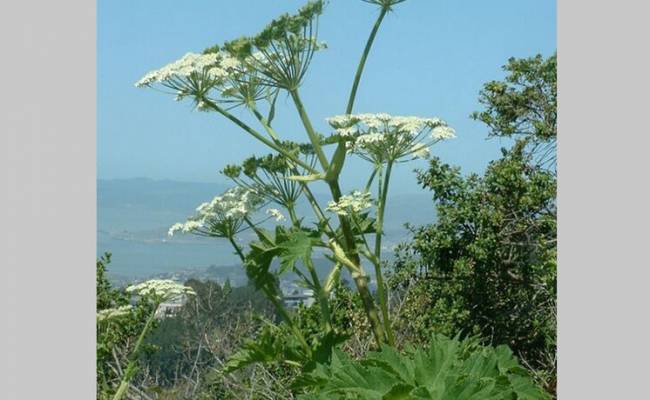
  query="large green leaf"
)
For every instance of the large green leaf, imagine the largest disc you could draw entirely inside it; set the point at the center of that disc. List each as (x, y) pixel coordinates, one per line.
(295, 245)
(449, 369)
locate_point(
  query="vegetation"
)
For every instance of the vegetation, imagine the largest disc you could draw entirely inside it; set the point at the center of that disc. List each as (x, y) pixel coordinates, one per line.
(483, 273)
(448, 370)
(487, 266)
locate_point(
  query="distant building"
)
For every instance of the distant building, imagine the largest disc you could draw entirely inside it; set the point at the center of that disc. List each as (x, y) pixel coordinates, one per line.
(171, 307)
(293, 295)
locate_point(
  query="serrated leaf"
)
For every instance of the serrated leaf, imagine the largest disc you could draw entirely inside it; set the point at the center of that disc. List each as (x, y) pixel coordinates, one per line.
(400, 391)
(449, 370)
(295, 245)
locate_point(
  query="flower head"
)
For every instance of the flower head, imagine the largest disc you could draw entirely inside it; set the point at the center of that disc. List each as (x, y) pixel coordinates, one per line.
(352, 203)
(111, 313)
(212, 66)
(161, 289)
(222, 216)
(421, 151)
(382, 137)
(283, 50)
(275, 213)
(387, 4)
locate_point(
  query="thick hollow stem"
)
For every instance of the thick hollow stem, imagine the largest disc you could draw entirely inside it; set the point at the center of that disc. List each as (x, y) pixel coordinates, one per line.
(381, 290)
(313, 137)
(323, 300)
(361, 281)
(359, 277)
(362, 62)
(349, 242)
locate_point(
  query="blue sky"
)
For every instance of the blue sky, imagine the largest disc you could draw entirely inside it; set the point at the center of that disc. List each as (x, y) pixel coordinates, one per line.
(430, 59)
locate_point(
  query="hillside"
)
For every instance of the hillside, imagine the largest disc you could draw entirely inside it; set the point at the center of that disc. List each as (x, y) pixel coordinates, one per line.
(133, 216)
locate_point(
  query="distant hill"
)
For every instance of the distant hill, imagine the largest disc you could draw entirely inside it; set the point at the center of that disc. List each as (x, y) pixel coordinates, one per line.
(133, 216)
(154, 195)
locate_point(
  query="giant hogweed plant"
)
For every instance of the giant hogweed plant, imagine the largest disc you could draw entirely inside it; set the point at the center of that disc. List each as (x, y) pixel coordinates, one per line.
(150, 294)
(250, 73)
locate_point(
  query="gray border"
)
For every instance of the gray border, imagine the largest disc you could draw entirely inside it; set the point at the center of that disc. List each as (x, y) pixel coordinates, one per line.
(603, 200)
(48, 181)
(48, 205)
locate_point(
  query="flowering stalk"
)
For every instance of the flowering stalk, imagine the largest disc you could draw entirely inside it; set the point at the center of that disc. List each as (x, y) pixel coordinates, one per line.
(313, 137)
(264, 123)
(158, 291)
(256, 68)
(364, 57)
(381, 290)
(359, 276)
(131, 367)
(257, 135)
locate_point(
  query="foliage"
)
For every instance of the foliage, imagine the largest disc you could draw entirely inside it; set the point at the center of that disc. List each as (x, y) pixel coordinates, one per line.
(448, 370)
(115, 338)
(220, 313)
(487, 266)
(251, 72)
(524, 106)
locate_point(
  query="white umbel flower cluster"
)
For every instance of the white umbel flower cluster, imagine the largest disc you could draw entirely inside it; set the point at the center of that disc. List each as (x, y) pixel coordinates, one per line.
(185, 227)
(352, 203)
(222, 213)
(161, 289)
(276, 214)
(111, 313)
(421, 151)
(215, 66)
(383, 137)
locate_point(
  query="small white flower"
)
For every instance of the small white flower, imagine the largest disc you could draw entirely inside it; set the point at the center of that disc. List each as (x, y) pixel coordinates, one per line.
(174, 228)
(346, 132)
(421, 151)
(382, 137)
(275, 213)
(111, 313)
(352, 203)
(190, 64)
(443, 132)
(162, 289)
(230, 208)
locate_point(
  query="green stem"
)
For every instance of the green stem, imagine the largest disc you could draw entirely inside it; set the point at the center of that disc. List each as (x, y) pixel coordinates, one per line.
(322, 296)
(292, 216)
(259, 136)
(133, 358)
(362, 62)
(381, 291)
(313, 137)
(277, 303)
(317, 210)
(360, 279)
(265, 124)
(240, 253)
(371, 178)
(358, 275)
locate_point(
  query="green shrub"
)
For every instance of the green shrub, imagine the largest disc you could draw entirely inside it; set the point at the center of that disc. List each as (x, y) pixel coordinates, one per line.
(448, 369)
